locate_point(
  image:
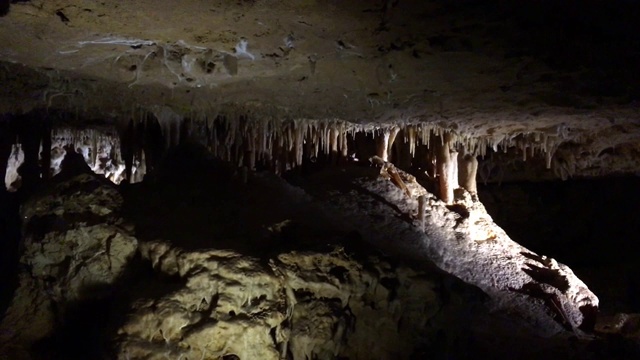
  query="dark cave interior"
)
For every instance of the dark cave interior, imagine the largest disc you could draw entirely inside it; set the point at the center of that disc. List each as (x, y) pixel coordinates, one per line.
(223, 168)
(192, 196)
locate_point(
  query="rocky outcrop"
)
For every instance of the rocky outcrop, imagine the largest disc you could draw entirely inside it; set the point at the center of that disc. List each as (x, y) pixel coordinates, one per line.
(298, 305)
(76, 247)
(217, 304)
(462, 239)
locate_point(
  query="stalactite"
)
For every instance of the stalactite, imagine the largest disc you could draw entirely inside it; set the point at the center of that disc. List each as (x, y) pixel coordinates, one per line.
(385, 142)
(344, 147)
(411, 131)
(153, 144)
(244, 174)
(400, 151)
(138, 147)
(447, 167)
(284, 143)
(247, 140)
(468, 169)
(170, 123)
(333, 138)
(94, 151)
(382, 142)
(299, 144)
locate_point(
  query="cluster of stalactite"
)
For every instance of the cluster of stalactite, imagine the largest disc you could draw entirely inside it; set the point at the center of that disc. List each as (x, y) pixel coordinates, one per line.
(26, 134)
(136, 144)
(33, 148)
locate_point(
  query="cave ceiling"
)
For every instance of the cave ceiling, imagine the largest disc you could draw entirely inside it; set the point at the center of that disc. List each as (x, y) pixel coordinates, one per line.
(483, 69)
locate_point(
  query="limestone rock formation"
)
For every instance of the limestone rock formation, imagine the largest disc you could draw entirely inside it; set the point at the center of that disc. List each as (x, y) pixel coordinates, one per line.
(75, 246)
(448, 91)
(462, 239)
(299, 305)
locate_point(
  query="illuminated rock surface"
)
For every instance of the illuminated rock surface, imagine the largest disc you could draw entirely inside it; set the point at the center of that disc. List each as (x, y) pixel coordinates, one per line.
(305, 304)
(75, 248)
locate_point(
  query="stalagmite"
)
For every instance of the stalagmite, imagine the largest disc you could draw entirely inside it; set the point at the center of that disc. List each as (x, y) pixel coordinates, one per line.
(446, 160)
(467, 171)
(453, 169)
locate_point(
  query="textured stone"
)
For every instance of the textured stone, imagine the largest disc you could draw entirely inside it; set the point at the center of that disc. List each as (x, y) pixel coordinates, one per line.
(76, 248)
(308, 304)
(462, 239)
